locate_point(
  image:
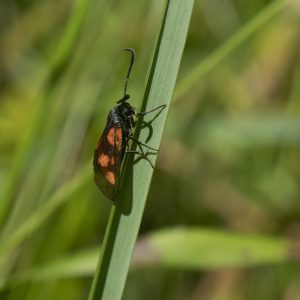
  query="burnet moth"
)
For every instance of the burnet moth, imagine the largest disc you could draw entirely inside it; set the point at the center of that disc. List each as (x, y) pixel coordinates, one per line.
(113, 143)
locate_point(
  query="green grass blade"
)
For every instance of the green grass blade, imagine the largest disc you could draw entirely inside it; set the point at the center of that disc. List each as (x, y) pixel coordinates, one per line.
(231, 44)
(126, 216)
(41, 215)
(179, 248)
(197, 248)
(76, 265)
(72, 32)
(59, 59)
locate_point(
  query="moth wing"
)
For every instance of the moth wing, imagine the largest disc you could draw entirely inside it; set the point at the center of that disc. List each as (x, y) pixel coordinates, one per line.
(107, 161)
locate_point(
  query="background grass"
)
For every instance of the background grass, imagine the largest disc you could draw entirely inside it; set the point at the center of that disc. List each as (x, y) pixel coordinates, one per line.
(228, 168)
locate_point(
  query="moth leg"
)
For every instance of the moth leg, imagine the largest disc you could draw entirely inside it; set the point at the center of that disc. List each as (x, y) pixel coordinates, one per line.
(142, 155)
(140, 143)
(143, 113)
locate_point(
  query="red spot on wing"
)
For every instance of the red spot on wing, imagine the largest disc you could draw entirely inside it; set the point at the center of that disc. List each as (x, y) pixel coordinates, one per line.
(114, 137)
(111, 178)
(103, 160)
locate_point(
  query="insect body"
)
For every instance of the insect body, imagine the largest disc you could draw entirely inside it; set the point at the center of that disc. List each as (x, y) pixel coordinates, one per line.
(112, 145)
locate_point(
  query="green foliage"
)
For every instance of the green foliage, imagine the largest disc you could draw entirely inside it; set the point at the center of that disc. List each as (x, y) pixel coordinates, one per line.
(226, 176)
(209, 249)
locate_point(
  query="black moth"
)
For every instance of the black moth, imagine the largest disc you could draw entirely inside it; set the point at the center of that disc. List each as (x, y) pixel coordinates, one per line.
(112, 145)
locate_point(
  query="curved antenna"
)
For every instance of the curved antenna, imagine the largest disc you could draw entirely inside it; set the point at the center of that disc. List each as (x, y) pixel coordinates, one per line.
(129, 71)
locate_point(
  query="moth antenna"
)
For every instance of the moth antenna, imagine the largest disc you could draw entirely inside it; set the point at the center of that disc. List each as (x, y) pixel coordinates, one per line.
(129, 71)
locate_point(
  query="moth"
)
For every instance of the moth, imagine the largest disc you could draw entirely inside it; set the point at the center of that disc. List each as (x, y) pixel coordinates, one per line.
(113, 143)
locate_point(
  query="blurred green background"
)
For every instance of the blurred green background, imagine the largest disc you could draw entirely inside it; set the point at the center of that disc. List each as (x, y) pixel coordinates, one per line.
(229, 160)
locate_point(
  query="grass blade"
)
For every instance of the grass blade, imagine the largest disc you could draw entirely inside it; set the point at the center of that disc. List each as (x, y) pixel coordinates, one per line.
(41, 215)
(202, 249)
(126, 216)
(56, 65)
(185, 248)
(230, 45)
